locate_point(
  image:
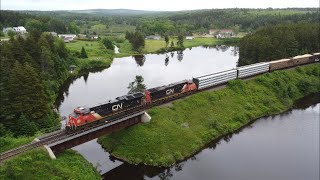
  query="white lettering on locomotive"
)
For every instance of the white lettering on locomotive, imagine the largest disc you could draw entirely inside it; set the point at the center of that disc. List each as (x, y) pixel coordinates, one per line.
(316, 60)
(116, 107)
(169, 91)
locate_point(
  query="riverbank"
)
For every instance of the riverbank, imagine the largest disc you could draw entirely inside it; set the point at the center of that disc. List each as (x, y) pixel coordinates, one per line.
(36, 164)
(180, 130)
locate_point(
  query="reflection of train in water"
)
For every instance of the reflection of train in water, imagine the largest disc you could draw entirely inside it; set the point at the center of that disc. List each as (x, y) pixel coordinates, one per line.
(83, 116)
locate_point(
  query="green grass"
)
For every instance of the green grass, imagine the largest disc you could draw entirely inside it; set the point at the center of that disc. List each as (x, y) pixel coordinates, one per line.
(7, 143)
(178, 131)
(98, 55)
(158, 46)
(36, 164)
(95, 49)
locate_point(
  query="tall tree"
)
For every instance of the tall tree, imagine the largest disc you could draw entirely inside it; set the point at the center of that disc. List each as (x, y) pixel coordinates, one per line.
(166, 39)
(180, 40)
(83, 53)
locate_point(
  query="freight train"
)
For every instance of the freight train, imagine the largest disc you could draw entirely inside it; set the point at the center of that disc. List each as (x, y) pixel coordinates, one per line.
(83, 117)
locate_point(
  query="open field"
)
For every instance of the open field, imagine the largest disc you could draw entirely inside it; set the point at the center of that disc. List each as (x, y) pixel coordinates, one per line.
(180, 130)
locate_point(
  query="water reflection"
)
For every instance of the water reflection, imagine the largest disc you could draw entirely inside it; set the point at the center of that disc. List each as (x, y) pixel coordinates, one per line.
(281, 147)
(180, 55)
(166, 60)
(140, 59)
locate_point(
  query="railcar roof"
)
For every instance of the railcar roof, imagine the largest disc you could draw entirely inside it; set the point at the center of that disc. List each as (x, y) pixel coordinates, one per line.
(280, 60)
(302, 56)
(217, 73)
(151, 90)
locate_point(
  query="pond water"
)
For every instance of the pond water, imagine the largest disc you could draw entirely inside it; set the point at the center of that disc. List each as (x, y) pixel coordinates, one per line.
(282, 147)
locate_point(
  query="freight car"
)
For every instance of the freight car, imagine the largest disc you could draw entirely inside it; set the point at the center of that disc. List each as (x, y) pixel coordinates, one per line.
(316, 57)
(302, 59)
(83, 117)
(281, 64)
(253, 69)
(210, 80)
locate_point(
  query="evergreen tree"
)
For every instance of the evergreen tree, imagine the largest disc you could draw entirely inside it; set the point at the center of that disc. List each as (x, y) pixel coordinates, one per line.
(83, 53)
(172, 44)
(107, 43)
(26, 93)
(180, 41)
(166, 39)
(25, 127)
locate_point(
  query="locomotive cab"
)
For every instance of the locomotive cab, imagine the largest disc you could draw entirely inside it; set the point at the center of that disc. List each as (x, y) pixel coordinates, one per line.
(79, 116)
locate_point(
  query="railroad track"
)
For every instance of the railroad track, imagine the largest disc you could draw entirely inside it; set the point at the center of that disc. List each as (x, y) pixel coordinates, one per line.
(45, 140)
(54, 137)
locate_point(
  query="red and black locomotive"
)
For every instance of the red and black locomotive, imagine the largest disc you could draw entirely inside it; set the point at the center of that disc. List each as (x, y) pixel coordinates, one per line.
(83, 116)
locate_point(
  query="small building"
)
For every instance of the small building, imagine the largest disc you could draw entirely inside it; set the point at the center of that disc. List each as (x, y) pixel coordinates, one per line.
(225, 33)
(67, 37)
(17, 30)
(20, 30)
(6, 30)
(153, 37)
(189, 37)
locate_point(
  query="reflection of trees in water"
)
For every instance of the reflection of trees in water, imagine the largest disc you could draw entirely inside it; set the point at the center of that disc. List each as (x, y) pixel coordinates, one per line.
(234, 51)
(85, 77)
(166, 60)
(64, 89)
(166, 174)
(140, 59)
(180, 55)
(172, 54)
(222, 48)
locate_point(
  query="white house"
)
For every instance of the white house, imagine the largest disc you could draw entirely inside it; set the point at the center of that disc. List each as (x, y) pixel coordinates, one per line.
(20, 30)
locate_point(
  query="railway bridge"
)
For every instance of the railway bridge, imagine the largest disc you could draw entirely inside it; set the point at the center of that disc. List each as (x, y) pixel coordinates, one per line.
(60, 140)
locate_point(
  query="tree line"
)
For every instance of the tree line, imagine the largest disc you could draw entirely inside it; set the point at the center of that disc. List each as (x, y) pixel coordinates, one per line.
(170, 23)
(279, 41)
(32, 70)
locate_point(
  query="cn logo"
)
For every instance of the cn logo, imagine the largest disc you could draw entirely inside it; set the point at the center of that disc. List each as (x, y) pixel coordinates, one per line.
(169, 91)
(116, 107)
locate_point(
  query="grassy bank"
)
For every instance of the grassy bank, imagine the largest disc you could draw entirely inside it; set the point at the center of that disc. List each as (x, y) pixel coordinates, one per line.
(178, 131)
(98, 55)
(36, 164)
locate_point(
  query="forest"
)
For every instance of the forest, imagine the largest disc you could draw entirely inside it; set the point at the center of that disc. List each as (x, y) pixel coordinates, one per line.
(279, 41)
(32, 70)
(148, 23)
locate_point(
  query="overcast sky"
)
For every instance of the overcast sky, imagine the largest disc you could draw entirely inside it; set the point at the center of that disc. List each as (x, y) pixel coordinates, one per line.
(162, 5)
